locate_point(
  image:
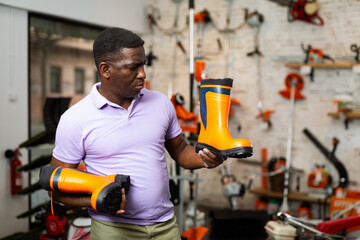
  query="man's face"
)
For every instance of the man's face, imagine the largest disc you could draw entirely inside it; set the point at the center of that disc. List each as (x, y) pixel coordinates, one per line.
(127, 76)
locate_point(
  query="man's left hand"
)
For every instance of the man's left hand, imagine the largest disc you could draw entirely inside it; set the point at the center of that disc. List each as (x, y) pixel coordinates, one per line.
(210, 160)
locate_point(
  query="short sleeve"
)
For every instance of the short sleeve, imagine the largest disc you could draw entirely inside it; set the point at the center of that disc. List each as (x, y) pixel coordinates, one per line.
(174, 128)
(69, 145)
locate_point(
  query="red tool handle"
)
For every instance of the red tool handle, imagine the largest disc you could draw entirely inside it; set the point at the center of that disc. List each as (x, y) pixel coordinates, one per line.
(336, 225)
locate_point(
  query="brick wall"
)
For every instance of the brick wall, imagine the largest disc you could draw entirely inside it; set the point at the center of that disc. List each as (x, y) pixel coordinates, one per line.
(278, 37)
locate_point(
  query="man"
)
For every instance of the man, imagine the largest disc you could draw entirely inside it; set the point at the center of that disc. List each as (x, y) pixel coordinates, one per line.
(122, 128)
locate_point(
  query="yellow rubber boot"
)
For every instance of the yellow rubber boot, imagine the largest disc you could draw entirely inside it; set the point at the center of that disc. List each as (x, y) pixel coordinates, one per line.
(214, 112)
(105, 190)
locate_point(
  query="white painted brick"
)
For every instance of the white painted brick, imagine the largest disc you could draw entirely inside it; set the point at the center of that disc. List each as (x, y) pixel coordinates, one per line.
(277, 37)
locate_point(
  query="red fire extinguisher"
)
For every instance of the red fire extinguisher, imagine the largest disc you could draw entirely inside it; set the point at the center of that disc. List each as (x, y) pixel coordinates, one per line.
(15, 163)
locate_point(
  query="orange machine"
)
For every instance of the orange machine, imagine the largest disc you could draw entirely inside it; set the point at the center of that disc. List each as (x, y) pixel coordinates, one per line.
(188, 121)
(299, 86)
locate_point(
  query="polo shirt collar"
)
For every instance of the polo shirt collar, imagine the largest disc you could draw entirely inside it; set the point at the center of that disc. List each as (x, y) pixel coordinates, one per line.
(100, 101)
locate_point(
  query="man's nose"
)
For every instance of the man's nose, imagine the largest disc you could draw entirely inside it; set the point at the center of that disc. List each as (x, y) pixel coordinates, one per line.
(141, 73)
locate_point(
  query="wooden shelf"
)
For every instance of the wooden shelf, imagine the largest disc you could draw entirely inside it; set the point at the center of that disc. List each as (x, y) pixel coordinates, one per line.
(322, 65)
(292, 195)
(347, 115)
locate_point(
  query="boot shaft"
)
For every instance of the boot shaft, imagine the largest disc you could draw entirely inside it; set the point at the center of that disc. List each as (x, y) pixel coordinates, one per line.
(214, 112)
(219, 91)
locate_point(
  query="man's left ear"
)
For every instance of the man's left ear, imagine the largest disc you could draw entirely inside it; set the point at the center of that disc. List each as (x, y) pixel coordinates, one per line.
(104, 69)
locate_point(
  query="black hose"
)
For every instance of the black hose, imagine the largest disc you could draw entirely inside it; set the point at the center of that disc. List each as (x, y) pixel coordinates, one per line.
(343, 175)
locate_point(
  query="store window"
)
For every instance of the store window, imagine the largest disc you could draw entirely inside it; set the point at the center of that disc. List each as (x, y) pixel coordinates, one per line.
(56, 48)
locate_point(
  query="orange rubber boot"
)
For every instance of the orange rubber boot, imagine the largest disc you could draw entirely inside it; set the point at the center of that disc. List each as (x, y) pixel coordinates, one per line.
(214, 112)
(105, 190)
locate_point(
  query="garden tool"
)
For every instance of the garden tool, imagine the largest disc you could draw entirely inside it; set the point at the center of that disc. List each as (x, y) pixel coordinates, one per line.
(214, 112)
(286, 93)
(105, 190)
(305, 10)
(181, 112)
(255, 20)
(229, 33)
(330, 155)
(188, 121)
(201, 19)
(304, 229)
(200, 70)
(294, 83)
(232, 189)
(356, 49)
(174, 33)
(233, 102)
(315, 55)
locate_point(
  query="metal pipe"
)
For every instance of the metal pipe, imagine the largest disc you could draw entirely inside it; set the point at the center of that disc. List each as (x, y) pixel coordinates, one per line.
(191, 52)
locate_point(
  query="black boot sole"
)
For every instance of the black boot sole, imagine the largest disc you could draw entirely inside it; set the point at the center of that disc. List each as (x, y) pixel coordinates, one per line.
(238, 152)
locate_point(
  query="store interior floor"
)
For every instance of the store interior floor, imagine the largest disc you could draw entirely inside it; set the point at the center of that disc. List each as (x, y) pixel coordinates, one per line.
(228, 224)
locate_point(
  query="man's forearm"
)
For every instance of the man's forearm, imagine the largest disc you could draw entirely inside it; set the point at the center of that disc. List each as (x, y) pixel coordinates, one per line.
(72, 199)
(189, 159)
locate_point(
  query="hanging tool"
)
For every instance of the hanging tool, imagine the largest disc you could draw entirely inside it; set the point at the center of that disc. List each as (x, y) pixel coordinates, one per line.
(305, 10)
(294, 82)
(200, 70)
(174, 33)
(231, 188)
(355, 48)
(255, 20)
(286, 93)
(228, 31)
(150, 67)
(343, 175)
(150, 56)
(315, 55)
(264, 160)
(319, 182)
(201, 20)
(188, 121)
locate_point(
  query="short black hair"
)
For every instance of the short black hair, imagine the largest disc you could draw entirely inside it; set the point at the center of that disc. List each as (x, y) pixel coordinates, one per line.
(111, 41)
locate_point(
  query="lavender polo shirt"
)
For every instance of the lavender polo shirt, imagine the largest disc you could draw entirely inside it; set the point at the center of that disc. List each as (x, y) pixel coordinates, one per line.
(113, 140)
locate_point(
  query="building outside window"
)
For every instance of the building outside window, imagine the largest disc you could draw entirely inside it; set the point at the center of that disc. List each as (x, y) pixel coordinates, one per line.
(55, 74)
(96, 77)
(79, 80)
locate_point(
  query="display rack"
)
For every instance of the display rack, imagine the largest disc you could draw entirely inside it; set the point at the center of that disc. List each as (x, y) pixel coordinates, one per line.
(297, 196)
(313, 66)
(322, 65)
(347, 115)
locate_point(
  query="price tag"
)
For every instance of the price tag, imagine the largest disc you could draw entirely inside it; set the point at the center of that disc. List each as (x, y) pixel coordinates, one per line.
(305, 69)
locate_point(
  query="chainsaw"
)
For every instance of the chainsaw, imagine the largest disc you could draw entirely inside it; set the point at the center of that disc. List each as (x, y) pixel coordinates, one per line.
(305, 10)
